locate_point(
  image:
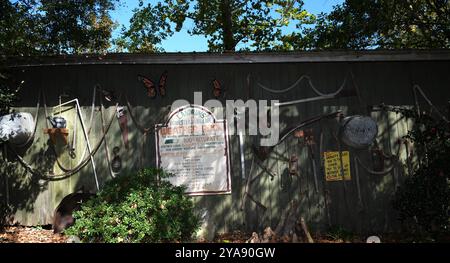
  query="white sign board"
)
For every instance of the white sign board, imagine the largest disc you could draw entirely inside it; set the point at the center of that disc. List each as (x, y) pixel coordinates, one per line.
(193, 146)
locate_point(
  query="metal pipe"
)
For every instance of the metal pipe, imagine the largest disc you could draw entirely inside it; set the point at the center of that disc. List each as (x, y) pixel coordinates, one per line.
(241, 147)
(247, 185)
(7, 186)
(83, 127)
(88, 144)
(74, 140)
(358, 187)
(396, 177)
(68, 102)
(279, 104)
(313, 161)
(312, 120)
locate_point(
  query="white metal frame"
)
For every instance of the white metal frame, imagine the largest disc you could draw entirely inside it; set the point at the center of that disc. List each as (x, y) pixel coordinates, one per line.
(83, 127)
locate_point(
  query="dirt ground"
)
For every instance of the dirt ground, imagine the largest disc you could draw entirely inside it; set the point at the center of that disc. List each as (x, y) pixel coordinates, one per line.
(240, 237)
(21, 234)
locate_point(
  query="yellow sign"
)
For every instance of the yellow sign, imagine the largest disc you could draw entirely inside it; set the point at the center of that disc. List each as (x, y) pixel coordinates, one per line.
(333, 166)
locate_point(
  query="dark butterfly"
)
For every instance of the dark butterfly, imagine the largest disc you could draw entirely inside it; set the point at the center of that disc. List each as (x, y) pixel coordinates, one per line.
(149, 85)
(162, 84)
(217, 89)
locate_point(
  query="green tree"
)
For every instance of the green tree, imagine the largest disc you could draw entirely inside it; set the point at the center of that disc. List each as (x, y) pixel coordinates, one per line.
(19, 28)
(29, 27)
(226, 23)
(387, 24)
(76, 26)
(148, 27)
(8, 95)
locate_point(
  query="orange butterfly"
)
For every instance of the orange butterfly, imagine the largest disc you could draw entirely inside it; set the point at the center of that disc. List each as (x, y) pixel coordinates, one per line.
(162, 83)
(149, 85)
(217, 90)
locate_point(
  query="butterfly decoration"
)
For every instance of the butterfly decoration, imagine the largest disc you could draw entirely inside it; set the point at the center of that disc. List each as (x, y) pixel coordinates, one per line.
(151, 87)
(217, 88)
(162, 84)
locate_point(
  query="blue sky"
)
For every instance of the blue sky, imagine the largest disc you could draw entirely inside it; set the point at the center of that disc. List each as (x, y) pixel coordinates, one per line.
(182, 41)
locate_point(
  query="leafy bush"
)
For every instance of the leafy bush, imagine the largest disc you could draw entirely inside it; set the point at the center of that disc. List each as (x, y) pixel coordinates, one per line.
(137, 208)
(8, 95)
(425, 195)
(7, 98)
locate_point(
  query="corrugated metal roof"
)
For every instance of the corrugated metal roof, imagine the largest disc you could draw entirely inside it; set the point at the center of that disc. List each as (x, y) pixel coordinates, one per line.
(230, 58)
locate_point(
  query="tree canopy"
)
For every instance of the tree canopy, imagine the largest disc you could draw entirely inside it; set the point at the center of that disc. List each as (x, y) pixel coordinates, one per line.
(30, 27)
(55, 26)
(226, 23)
(386, 24)
(149, 25)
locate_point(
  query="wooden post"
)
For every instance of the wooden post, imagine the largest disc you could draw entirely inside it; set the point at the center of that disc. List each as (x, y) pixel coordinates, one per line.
(305, 229)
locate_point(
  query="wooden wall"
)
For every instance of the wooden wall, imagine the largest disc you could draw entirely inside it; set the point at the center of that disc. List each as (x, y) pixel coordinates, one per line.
(32, 201)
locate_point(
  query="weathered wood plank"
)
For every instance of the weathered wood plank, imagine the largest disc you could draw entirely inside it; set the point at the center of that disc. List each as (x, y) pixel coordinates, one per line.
(379, 82)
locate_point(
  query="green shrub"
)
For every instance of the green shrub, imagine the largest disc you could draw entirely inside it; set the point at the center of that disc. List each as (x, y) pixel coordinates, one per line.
(425, 194)
(137, 208)
(8, 94)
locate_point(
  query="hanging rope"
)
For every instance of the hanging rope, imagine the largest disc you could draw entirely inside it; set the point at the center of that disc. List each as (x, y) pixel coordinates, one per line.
(133, 118)
(419, 89)
(247, 186)
(312, 120)
(370, 171)
(71, 172)
(393, 158)
(89, 129)
(92, 111)
(108, 159)
(358, 186)
(318, 92)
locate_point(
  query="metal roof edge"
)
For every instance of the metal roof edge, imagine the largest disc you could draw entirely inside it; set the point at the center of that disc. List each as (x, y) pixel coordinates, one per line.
(230, 58)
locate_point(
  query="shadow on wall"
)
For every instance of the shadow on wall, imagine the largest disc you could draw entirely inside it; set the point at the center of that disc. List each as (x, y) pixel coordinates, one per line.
(361, 205)
(20, 189)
